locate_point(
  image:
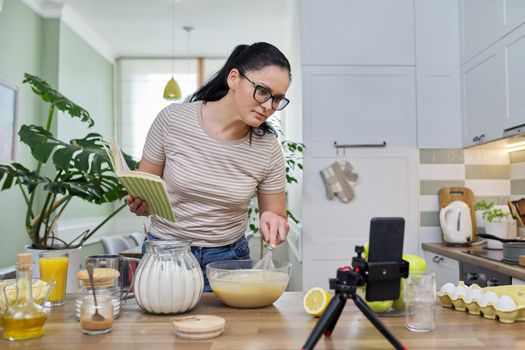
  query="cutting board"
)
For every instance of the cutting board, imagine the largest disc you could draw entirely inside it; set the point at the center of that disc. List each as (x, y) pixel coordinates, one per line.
(464, 194)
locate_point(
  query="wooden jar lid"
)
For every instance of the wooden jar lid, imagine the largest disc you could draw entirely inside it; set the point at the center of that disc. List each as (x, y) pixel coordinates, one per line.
(199, 326)
(102, 277)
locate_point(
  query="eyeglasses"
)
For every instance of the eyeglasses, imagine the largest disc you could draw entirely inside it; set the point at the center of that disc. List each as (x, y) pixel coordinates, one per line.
(262, 94)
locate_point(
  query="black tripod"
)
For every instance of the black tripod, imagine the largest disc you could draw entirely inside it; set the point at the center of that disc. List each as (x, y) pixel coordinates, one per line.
(345, 285)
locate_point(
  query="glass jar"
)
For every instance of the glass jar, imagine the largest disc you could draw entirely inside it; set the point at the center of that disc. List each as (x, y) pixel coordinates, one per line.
(105, 280)
(96, 319)
(168, 279)
(112, 290)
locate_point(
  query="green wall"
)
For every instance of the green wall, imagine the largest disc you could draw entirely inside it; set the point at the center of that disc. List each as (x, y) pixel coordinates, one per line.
(86, 78)
(50, 49)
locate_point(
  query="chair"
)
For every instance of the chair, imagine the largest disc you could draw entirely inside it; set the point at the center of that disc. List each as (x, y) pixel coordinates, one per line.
(114, 245)
(137, 238)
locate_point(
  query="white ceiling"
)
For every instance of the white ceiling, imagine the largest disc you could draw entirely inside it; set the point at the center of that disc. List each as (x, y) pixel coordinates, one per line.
(143, 28)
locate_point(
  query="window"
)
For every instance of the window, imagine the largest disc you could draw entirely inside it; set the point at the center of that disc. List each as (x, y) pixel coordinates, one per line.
(140, 85)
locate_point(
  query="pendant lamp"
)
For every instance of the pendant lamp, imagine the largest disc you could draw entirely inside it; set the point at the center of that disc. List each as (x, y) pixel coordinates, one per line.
(172, 89)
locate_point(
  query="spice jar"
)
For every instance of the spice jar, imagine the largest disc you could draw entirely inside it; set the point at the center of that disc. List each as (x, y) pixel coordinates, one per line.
(105, 281)
(96, 319)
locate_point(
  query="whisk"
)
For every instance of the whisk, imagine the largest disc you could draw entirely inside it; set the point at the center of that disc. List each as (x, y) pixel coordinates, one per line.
(266, 262)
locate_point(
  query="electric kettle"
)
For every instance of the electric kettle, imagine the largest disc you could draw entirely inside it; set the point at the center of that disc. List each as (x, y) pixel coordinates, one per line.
(456, 223)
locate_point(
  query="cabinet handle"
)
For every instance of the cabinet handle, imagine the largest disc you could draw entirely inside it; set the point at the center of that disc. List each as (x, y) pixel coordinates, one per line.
(478, 138)
(437, 259)
(360, 145)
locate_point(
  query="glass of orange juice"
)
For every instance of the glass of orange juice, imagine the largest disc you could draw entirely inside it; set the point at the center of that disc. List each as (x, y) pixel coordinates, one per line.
(53, 267)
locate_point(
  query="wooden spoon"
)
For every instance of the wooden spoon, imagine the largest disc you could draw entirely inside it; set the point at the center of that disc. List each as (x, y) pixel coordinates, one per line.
(96, 316)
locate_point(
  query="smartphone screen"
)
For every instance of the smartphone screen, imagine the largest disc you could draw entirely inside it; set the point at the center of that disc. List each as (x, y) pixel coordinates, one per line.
(385, 247)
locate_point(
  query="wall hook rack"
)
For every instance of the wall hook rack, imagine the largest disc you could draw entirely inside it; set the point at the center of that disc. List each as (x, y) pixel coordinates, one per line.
(359, 145)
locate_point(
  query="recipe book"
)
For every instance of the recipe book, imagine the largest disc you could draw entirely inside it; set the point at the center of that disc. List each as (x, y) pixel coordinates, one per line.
(146, 186)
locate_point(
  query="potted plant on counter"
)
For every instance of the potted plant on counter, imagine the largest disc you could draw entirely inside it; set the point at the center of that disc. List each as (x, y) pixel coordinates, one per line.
(79, 168)
(498, 223)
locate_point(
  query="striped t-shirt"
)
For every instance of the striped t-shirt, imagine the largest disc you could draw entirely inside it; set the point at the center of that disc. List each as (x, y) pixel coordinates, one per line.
(210, 182)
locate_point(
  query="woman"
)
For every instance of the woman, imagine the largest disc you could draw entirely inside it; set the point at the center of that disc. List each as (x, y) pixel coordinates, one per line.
(215, 151)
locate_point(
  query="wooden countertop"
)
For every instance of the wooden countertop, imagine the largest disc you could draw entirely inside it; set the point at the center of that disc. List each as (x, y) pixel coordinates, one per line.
(458, 253)
(282, 326)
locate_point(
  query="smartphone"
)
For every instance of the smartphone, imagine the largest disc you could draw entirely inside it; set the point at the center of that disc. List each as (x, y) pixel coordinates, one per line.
(385, 254)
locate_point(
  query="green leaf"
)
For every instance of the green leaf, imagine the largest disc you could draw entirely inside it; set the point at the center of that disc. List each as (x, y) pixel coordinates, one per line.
(48, 94)
(291, 216)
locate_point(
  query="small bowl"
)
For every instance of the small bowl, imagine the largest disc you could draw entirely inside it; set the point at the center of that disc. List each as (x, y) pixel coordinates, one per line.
(239, 285)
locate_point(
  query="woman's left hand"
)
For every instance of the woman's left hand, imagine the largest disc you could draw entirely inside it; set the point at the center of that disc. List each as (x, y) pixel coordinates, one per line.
(274, 228)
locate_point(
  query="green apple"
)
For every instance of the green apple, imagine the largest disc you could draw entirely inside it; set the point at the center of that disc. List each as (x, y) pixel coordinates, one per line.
(379, 306)
(376, 306)
(417, 264)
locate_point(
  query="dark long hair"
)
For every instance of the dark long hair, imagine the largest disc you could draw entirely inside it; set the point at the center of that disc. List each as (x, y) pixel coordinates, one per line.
(244, 58)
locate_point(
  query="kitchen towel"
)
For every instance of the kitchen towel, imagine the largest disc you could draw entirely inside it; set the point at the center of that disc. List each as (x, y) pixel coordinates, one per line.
(337, 178)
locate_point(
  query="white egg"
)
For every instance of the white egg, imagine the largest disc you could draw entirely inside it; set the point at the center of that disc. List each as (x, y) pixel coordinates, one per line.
(473, 294)
(506, 303)
(488, 298)
(447, 288)
(459, 292)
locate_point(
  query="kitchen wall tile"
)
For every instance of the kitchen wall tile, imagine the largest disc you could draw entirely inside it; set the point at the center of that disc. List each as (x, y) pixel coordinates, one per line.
(489, 187)
(487, 157)
(517, 157)
(429, 218)
(488, 173)
(441, 172)
(497, 200)
(429, 203)
(517, 187)
(430, 234)
(517, 171)
(441, 156)
(432, 187)
(475, 171)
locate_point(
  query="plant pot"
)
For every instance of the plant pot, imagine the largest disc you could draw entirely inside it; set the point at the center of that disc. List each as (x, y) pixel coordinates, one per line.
(72, 270)
(480, 222)
(502, 229)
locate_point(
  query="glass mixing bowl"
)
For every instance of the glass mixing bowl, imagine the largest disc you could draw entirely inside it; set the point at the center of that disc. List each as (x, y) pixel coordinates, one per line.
(239, 285)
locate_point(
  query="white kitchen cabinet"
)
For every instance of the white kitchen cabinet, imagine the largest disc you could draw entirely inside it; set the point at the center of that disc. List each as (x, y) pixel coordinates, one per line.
(437, 33)
(356, 32)
(517, 281)
(483, 97)
(514, 14)
(482, 24)
(512, 48)
(358, 105)
(438, 107)
(387, 186)
(446, 269)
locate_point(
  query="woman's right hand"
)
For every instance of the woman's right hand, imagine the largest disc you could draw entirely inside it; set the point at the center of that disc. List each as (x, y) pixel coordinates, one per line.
(138, 206)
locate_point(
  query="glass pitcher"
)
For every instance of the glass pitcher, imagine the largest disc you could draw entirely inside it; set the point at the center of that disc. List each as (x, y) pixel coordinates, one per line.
(168, 279)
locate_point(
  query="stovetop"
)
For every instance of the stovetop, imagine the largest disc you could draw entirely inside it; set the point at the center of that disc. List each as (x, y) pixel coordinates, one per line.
(491, 254)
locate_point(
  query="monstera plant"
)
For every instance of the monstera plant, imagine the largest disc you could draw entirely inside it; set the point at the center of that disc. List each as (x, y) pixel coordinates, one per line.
(80, 168)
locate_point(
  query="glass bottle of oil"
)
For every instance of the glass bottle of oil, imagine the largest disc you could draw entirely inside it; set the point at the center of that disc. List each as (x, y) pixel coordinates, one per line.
(24, 319)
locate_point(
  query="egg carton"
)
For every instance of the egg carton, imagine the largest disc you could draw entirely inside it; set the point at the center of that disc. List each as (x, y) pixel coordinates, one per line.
(507, 303)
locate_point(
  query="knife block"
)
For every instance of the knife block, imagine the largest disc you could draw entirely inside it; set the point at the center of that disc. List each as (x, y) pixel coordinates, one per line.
(463, 194)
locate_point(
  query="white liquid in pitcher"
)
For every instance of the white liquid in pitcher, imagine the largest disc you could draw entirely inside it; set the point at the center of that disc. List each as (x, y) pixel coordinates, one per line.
(249, 288)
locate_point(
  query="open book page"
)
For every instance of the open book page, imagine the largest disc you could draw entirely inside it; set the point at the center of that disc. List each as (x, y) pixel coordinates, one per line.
(120, 164)
(146, 186)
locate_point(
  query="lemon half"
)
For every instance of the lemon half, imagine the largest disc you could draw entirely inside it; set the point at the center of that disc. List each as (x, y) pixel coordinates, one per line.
(316, 300)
